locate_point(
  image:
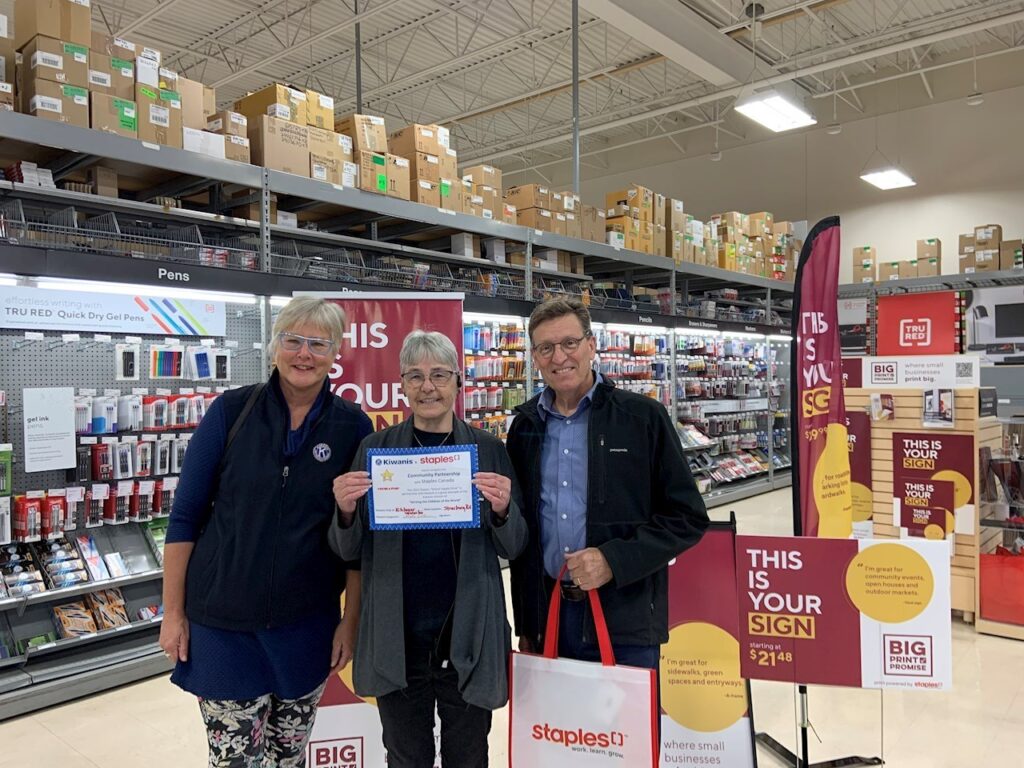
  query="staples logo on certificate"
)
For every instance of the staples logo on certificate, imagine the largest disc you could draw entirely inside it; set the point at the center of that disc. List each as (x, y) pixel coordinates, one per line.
(423, 488)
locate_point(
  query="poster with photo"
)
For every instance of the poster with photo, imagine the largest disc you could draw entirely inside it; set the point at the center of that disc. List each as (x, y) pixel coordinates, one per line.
(938, 409)
(924, 508)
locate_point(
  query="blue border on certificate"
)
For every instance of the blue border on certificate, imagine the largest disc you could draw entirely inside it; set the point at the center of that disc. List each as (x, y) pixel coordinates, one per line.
(474, 456)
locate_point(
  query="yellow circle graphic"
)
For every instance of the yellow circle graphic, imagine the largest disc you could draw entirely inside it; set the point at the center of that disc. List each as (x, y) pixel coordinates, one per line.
(950, 522)
(863, 502)
(701, 687)
(961, 486)
(890, 583)
(934, 532)
(832, 485)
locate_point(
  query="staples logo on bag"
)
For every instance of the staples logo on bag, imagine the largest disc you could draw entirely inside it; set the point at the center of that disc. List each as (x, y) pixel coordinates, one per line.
(916, 333)
(579, 738)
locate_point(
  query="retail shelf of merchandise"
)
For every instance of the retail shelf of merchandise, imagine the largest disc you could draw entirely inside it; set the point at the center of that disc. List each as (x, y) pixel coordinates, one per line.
(936, 283)
(64, 149)
(93, 637)
(49, 596)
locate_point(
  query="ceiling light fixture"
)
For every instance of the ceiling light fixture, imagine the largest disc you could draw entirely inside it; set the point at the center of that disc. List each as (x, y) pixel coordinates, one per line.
(778, 109)
(881, 172)
(975, 98)
(834, 128)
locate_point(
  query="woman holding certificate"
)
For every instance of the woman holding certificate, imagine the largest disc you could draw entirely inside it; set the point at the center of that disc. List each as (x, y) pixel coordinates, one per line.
(429, 507)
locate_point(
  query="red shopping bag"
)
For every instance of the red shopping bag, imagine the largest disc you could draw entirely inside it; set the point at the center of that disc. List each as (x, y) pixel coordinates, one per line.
(565, 713)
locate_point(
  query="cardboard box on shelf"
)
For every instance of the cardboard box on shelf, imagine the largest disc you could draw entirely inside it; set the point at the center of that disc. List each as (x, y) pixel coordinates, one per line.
(330, 144)
(448, 159)
(101, 78)
(509, 213)
(573, 225)
(279, 144)
(615, 239)
(864, 271)
(733, 219)
(908, 269)
(115, 47)
(46, 58)
(483, 174)
(367, 132)
(929, 249)
(864, 252)
(639, 200)
(122, 77)
(426, 192)
(203, 142)
(888, 270)
(466, 245)
(727, 256)
(760, 224)
(113, 115)
(559, 223)
(373, 171)
(425, 167)
(287, 219)
(967, 263)
(251, 211)
(325, 169)
(63, 19)
(147, 71)
(237, 148)
(193, 103)
(966, 243)
(987, 236)
(7, 101)
(570, 202)
(659, 212)
(103, 180)
(159, 117)
(448, 194)
(465, 193)
(399, 177)
(646, 237)
(491, 196)
(415, 138)
(319, 111)
(7, 60)
(661, 239)
(564, 261)
(675, 215)
(621, 209)
(54, 101)
(535, 218)
(782, 228)
(929, 267)
(228, 123)
(1011, 254)
(986, 260)
(278, 101)
(593, 228)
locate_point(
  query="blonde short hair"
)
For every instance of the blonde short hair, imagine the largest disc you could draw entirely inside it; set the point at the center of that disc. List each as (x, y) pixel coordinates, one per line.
(313, 310)
(428, 345)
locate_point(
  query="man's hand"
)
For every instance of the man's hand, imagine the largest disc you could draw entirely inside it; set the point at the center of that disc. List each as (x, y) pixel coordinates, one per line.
(588, 568)
(348, 489)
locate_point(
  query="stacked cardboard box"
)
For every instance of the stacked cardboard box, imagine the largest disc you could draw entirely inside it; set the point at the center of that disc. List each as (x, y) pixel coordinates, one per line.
(929, 257)
(988, 240)
(485, 196)
(865, 260)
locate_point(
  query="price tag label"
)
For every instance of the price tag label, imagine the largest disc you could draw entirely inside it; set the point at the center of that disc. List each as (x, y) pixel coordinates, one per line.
(133, 339)
(34, 335)
(100, 491)
(102, 337)
(75, 494)
(231, 344)
(208, 342)
(71, 337)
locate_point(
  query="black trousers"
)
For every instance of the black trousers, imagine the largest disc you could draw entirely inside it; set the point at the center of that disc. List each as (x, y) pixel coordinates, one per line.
(407, 717)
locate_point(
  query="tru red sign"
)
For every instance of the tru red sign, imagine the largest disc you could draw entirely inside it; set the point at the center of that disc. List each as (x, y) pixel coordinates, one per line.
(919, 324)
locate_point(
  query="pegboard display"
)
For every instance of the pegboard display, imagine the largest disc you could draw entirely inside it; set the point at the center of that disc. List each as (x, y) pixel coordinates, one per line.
(91, 364)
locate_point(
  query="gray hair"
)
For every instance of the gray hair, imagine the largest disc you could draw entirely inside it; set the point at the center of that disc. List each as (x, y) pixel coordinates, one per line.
(312, 310)
(428, 345)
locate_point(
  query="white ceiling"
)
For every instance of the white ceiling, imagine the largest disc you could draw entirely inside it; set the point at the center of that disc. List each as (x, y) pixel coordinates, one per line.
(500, 71)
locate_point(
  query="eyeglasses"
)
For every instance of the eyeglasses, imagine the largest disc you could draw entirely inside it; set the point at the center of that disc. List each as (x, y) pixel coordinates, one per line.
(438, 378)
(292, 342)
(547, 349)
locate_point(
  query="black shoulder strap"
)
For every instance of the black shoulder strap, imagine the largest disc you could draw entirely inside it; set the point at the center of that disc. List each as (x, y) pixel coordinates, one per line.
(240, 419)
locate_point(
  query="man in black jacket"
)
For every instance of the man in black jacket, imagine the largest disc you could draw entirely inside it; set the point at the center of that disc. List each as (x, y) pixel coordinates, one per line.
(607, 493)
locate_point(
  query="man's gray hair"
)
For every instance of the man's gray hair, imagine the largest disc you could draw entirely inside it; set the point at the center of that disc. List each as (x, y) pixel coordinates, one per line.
(428, 345)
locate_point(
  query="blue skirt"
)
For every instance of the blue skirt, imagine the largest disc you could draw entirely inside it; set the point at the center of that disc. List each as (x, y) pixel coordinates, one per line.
(287, 662)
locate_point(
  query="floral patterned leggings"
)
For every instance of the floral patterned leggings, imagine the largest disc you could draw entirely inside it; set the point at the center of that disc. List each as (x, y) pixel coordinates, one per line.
(267, 732)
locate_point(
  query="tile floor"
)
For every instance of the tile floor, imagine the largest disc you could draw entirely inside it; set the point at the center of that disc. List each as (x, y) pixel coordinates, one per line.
(154, 724)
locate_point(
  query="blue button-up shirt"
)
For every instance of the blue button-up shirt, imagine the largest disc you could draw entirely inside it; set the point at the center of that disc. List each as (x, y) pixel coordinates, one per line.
(563, 487)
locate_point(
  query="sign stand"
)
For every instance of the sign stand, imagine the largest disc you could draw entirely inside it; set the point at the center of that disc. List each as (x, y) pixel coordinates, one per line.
(770, 743)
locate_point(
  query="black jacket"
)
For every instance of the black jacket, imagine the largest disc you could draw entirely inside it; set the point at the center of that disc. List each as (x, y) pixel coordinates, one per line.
(643, 509)
(263, 559)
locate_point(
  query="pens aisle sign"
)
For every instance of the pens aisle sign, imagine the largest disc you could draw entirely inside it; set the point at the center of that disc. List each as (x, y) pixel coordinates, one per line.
(822, 500)
(44, 310)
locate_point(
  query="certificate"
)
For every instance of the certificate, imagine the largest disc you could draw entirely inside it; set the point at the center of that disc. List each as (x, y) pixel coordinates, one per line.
(423, 488)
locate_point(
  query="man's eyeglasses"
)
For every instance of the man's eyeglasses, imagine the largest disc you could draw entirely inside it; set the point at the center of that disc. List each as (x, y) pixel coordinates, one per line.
(292, 342)
(438, 378)
(547, 349)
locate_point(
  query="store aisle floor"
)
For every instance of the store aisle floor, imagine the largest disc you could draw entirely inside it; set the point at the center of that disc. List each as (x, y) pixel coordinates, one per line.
(154, 724)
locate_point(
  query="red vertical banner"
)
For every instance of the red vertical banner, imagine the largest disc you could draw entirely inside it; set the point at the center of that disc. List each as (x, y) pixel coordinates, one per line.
(822, 502)
(707, 718)
(367, 371)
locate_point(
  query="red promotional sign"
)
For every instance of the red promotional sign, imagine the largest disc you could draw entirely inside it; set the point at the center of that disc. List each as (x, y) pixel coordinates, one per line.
(925, 507)
(858, 425)
(822, 502)
(867, 613)
(853, 372)
(367, 370)
(918, 324)
(929, 456)
(707, 718)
